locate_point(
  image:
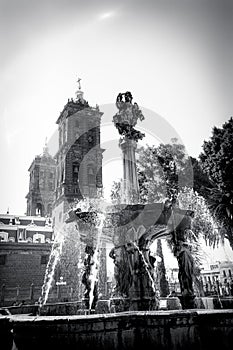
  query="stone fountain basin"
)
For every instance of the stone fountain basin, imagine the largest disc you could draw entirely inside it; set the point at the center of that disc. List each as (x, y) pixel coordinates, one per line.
(164, 330)
(125, 223)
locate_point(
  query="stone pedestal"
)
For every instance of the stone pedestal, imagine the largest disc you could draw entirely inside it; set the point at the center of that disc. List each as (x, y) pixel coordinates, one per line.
(130, 178)
(119, 304)
(188, 301)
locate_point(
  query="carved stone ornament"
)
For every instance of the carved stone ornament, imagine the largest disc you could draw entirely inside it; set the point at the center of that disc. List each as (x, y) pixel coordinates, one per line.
(127, 117)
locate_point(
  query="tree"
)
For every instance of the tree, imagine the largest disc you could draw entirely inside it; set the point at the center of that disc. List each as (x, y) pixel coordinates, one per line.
(203, 223)
(217, 163)
(162, 170)
(201, 181)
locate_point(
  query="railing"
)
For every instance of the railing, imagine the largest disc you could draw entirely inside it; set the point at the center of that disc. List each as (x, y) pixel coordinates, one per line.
(19, 295)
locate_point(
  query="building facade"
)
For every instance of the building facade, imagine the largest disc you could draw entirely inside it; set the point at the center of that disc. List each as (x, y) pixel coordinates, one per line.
(218, 279)
(25, 245)
(40, 197)
(79, 156)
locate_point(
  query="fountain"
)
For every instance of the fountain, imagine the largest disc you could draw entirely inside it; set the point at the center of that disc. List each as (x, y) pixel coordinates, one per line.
(131, 228)
(134, 320)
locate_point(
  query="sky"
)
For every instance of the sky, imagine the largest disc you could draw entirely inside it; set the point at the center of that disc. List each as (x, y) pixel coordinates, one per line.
(174, 56)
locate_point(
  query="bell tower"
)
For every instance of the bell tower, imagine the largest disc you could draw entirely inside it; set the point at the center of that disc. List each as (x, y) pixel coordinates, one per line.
(41, 185)
(79, 156)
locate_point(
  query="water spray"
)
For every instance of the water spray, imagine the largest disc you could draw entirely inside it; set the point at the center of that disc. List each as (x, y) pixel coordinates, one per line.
(50, 269)
(94, 268)
(146, 266)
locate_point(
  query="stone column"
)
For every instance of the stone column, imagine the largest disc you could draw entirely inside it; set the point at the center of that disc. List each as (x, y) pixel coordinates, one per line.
(130, 178)
(125, 120)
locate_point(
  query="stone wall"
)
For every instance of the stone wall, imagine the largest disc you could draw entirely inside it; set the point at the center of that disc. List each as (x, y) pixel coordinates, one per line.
(23, 264)
(171, 330)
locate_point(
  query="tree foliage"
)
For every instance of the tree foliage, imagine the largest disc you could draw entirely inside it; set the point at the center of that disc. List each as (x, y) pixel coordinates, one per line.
(201, 181)
(217, 162)
(217, 159)
(203, 223)
(162, 170)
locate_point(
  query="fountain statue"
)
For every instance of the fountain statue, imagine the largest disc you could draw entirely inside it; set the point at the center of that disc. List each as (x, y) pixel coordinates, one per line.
(132, 228)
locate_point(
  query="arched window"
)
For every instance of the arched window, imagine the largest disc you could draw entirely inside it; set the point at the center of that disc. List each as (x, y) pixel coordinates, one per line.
(62, 172)
(76, 130)
(75, 168)
(60, 137)
(49, 209)
(38, 238)
(39, 209)
(64, 131)
(3, 236)
(75, 172)
(91, 176)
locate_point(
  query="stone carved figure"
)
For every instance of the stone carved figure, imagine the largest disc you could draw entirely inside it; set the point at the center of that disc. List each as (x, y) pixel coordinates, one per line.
(122, 273)
(134, 262)
(128, 97)
(88, 263)
(183, 254)
(134, 268)
(186, 270)
(127, 117)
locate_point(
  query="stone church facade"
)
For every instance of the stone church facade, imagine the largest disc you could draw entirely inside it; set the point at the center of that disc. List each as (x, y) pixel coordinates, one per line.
(79, 156)
(56, 184)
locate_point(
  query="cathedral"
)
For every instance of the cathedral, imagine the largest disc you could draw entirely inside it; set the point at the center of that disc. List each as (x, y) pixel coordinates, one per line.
(56, 184)
(76, 170)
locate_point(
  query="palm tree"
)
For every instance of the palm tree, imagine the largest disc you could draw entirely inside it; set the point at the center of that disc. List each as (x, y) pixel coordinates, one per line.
(221, 205)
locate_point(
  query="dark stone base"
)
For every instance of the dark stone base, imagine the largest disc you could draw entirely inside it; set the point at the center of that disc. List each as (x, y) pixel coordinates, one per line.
(163, 330)
(145, 304)
(118, 304)
(187, 301)
(102, 307)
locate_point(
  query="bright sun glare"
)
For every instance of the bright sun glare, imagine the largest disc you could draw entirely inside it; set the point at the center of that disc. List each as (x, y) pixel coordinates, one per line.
(106, 15)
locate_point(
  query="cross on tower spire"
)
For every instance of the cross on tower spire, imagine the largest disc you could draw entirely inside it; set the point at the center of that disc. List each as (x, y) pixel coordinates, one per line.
(79, 83)
(45, 149)
(79, 93)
